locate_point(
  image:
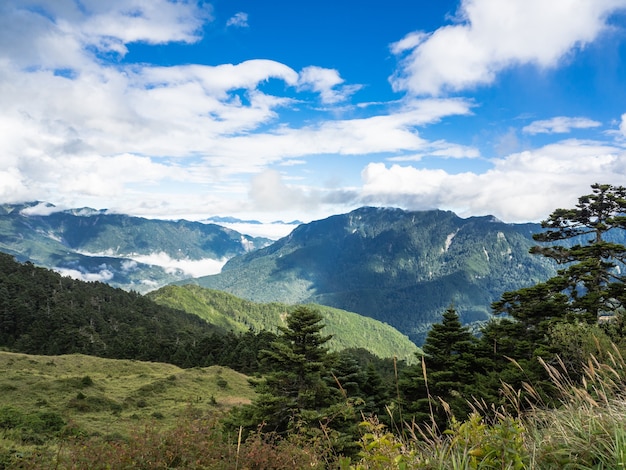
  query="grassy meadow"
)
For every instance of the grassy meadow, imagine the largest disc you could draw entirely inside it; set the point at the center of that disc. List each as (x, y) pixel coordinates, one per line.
(87, 396)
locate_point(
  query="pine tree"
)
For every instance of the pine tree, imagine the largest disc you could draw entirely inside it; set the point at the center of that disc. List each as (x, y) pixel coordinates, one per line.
(448, 362)
(590, 285)
(295, 390)
(592, 282)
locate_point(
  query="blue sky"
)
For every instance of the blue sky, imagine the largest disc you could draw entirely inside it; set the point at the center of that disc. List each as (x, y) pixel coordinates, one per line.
(299, 110)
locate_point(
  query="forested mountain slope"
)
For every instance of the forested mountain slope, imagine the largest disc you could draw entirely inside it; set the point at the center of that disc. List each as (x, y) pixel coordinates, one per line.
(42, 312)
(400, 267)
(349, 330)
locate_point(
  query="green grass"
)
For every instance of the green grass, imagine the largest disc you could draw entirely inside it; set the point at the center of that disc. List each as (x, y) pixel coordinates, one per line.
(138, 416)
(92, 396)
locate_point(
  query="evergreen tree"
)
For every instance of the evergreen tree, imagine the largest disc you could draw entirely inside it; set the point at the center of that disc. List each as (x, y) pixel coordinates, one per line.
(295, 391)
(449, 365)
(375, 392)
(348, 376)
(592, 282)
(590, 285)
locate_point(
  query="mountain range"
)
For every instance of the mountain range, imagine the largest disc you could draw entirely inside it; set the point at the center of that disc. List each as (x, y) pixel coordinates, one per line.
(400, 267)
(129, 252)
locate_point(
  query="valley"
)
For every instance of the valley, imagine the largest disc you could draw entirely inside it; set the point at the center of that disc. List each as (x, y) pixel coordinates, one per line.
(400, 267)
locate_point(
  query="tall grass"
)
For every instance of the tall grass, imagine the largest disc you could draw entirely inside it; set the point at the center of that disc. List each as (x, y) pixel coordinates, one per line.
(585, 430)
(196, 442)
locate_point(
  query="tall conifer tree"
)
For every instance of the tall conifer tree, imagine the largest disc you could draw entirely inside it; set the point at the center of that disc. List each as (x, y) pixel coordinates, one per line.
(448, 370)
(591, 284)
(295, 389)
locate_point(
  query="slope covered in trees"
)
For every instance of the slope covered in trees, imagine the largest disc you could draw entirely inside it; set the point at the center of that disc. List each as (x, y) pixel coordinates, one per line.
(564, 320)
(231, 313)
(42, 312)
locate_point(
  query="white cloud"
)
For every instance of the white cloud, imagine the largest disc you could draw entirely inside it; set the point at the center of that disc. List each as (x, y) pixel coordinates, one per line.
(622, 125)
(192, 268)
(492, 35)
(239, 20)
(273, 230)
(521, 187)
(104, 275)
(129, 265)
(81, 129)
(216, 80)
(560, 124)
(43, 208)
(383, 133)
(47, 33)
(14, 188)
(327, 83)
(440, 149)
(269, 192)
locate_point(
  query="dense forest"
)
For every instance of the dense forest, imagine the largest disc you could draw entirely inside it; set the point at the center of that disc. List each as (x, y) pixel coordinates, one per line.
(498, 399)
(349, 330)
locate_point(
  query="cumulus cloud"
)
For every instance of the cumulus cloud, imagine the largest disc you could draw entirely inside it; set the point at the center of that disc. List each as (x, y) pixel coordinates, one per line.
(83, 127)
(560, 124)
(521, 187)
(66, 34)
(216, 80)
(327, 83)
(239, 20)
(490, 36)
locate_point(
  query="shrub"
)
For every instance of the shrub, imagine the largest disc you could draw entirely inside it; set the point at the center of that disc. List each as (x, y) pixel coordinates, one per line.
(86, 381)
(222, 382)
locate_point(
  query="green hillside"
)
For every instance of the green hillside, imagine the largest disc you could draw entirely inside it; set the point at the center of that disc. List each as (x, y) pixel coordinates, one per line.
(42, 312)
(89, 396)
(350, 330)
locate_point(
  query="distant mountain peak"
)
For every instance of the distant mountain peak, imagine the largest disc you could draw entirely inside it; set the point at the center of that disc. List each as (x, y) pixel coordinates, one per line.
(87, 212)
